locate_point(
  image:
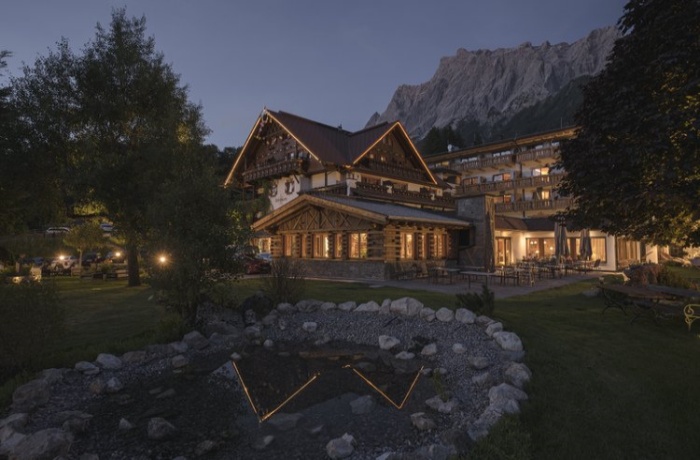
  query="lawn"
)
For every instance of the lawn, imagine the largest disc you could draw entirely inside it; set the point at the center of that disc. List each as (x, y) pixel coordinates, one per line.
(602, 388)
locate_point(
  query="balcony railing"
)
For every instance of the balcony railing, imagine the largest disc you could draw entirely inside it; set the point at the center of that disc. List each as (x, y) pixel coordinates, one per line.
(403, 196)
(396, 171)
(501, 186)
(276, 169)
(489, 161)
(533, 205)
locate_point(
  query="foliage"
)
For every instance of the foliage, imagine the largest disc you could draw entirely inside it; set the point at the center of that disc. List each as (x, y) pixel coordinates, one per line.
(224, 294)
(191, 222)
(634, 167)
(438, 139)
(113, 120)
(481, 304)
(286, 282)
(667, 277)
(32, 320)
(83, 237)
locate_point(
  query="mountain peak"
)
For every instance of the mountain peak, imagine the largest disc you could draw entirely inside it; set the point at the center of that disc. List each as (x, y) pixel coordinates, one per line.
(488, 86)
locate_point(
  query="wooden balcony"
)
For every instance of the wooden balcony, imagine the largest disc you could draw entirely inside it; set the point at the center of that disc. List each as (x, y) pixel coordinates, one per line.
(277, 169)
(515, 184)
(403, 196)
(525, 156)
(533, 205)
(392, 170)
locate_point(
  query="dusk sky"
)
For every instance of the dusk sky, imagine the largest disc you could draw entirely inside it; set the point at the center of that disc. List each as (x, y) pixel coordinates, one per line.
(333, 61)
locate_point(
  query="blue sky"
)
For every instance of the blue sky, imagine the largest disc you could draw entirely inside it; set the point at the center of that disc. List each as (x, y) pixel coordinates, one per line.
(333, 61)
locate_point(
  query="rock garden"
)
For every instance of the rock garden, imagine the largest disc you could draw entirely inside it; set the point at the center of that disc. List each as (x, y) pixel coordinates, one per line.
(389, 380)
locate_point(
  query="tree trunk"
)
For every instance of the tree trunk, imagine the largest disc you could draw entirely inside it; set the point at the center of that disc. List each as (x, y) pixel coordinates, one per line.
(132, 254)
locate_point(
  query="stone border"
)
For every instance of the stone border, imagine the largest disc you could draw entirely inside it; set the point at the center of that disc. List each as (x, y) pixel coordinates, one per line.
(503, 398)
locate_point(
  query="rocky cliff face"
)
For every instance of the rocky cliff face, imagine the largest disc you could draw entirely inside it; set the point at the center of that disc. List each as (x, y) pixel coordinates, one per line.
(491, 86)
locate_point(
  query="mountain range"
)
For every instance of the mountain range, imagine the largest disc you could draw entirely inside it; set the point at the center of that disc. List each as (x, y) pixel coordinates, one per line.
(507, 92)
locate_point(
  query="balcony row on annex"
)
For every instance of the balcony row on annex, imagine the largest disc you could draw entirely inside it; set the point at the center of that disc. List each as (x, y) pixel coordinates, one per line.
(367, 205)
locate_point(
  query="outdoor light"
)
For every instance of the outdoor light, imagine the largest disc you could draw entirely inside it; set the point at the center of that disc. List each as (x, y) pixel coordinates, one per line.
(163, 259)
(117, 254)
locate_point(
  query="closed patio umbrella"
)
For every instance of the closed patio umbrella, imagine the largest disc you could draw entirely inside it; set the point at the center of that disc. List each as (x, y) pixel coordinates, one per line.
(585, 248)
(561, 246)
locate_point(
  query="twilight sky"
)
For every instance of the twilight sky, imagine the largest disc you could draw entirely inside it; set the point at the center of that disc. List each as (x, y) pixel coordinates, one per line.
(332, 61)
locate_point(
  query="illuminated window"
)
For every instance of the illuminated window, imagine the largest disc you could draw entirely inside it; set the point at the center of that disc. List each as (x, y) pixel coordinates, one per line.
(321, 246)
(288, 245)
(440, 246)
(539, 248)
(407, 246)
(502, 177)
(358, 245)
(540, 172)
(338, 246)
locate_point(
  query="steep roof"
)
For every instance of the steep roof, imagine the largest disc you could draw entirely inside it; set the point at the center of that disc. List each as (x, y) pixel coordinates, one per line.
(329, 144)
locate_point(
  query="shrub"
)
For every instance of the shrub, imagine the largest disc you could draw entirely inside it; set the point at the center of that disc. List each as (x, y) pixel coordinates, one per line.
(481, 304)
(641, 275)
(224, 294)
(667, 277)
(32, 320)
(286, 281)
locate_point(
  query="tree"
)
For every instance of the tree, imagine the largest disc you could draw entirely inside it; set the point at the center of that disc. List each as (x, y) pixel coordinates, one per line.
(634, 167)
(117, 117)
(83, 237)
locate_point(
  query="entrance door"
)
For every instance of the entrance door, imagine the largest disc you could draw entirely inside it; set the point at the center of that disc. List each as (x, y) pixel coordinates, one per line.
(503, 251)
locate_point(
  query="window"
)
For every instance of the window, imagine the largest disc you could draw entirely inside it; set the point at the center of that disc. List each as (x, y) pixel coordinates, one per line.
(540, 172)
(358, 245)
(440, 246)
(503, 251)
(407, 246)
(338, 246)
(539, 248)
(471, 180)
(502, 177)
(321, 246)
(288, 245)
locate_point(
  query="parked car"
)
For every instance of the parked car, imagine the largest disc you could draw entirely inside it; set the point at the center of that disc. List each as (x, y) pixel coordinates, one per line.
(56, 230)
(116, 257)
(106, 227)
(257, 265)
(92, 258)
(63, 263)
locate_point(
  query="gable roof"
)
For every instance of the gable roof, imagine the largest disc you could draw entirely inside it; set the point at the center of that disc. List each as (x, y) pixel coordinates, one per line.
(328, 144)
(374, 211)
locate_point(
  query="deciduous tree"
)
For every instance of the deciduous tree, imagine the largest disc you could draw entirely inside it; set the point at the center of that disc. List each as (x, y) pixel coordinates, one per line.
(634, 167)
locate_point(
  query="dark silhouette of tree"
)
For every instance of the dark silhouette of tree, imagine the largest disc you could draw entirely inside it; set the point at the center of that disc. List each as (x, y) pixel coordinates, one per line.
(634, 167)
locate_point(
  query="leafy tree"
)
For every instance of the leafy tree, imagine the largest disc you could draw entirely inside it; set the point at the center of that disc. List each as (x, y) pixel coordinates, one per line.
(191, 222)
(634, 167)
(112, 119)
(83, 237)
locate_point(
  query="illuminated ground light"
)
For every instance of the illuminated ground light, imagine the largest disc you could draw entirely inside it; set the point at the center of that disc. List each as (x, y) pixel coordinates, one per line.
(259, 392)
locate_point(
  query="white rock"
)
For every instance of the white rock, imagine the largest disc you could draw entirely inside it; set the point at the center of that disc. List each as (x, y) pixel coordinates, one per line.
(518, 374)
(263, 442)
(427, 314)
(423, 423)
(269, 344)
(125, 425)
(204, 447)
(286, 308)
(114, 385)
(369, 307)
(86, 368)
(483, 320)
(465, 316)
(444, 407)
(108, 361)
(339, 448)
(385, 307)
(179, 347)
(429, 350)
(458, 348)
(347, 306)
(179, 361)
(500, 394)
(387, 342)
(159, 428)
(405, 355)
(236, 357)
(362, 405)
(478, 362)
(493, 328)
(484, 379)
(48, 443)
(326, 306)
(310, 326)
(445, 315)
(284, 422)
(508, 341)
(195, 340)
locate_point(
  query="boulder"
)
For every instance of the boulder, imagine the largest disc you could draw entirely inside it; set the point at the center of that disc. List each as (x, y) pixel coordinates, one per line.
(179, 361)
(308, 306)
(387, 342)
(182, 347)
(86, 368)
(445, 315)
(444, 407)
(385, 307)
(159, 429)
(125, 425)
(427, 314)
(465, 316)
(493, 328)
(518, 374)
(52, 376)
(262, 443)
(310, 326)
(423, 423)
(458, 348)
(286, 308)
(508, 341)
(370, 307)
(326, 306)
(284, 422)
(482, 380)
(134, 357)
(107, 361)
(429, 350)
(114, 385)
(340, 447)
(347, 306)
(500, 395)
(45, 444)
(204, 447)
(362, 405)
(478, 362)
(483, 320)
(195, 340)
(31, 395)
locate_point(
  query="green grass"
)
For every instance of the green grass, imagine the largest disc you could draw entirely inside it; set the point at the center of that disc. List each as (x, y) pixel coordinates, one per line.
(602, 388)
